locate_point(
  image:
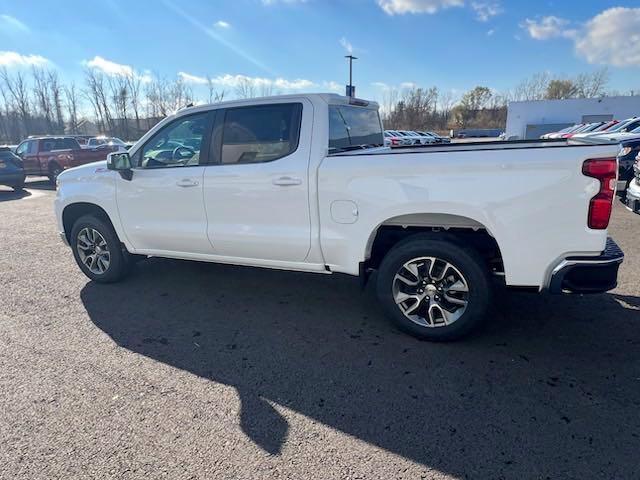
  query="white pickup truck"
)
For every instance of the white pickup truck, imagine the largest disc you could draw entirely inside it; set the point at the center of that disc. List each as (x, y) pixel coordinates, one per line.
(303, 183)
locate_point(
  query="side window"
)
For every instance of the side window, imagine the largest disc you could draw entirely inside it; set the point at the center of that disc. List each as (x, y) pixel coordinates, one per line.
(22, 148)
(68, 144)
(260, 133)
(48, 145)
(178, 144)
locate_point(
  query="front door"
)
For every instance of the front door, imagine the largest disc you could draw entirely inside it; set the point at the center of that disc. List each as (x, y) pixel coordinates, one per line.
(256, 191)
(161, 207)
(28, 152)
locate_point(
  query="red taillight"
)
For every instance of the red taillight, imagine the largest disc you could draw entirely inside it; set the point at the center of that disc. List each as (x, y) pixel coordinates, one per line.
(600, 206)
(395, 141)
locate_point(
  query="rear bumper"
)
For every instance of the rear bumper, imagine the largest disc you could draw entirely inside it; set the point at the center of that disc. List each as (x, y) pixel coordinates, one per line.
(588, 274)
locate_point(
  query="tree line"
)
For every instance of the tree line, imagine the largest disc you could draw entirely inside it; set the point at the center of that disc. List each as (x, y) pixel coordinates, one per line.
(38, 102)
(417, 108)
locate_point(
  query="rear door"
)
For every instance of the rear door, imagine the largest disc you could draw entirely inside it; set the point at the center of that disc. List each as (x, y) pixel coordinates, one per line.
(257, 193)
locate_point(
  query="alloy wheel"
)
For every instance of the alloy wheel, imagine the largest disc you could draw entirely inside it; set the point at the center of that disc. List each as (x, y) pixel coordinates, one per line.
(93, 250)
(430, 292)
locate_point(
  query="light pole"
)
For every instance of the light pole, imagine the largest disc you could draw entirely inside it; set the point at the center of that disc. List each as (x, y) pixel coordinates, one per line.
(351, 91)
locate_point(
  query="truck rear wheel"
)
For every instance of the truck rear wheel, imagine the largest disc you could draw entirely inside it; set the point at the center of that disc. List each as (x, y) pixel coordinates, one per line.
(97, 250)
(434, 289)
(54, 171)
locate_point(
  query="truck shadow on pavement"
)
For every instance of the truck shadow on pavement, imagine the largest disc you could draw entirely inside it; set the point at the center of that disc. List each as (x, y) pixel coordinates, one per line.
(551, 387)
(9, 194)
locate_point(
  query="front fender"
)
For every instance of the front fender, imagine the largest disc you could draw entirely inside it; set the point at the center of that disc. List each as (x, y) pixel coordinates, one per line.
(92, 184)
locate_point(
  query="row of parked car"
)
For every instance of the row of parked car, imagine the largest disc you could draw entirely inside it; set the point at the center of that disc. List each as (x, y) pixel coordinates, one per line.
(51, 155)
(403, 138)
(626, 132)
(612, 131)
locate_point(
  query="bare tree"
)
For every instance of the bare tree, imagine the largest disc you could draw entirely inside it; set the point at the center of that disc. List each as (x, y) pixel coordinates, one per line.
(533, 88)
(55, 91)
(133, 84)
(42, 100)
(266, 89)
(72, 104)
(592, 85)
(19, 94)
(245, 88)
(445, 105)
(119, 93)
(98, 97)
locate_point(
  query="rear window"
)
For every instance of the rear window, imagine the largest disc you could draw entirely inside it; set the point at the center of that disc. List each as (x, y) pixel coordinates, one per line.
(353, 126)
(261, 133)
(50, 144)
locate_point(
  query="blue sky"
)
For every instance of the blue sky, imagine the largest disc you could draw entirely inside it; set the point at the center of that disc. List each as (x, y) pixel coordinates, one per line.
(299, 45)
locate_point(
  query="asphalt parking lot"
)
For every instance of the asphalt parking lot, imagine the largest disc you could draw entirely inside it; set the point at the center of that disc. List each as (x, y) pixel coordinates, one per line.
(194, 371)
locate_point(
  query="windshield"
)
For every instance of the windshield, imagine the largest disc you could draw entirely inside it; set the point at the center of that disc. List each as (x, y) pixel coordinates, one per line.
(353, 127)
(619, 126)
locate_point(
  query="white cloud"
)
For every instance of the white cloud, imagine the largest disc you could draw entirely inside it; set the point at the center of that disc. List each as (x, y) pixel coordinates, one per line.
(110, 68)
(612, 38)
(222, 24)
(233, 81)
(546, 27)
(486, 10)
(15, 59)
(113, 69)
(381, 85)
(192, 79)
(7, 22)
(491, 32)
(346, 44)
(401, 7)
(332, 86)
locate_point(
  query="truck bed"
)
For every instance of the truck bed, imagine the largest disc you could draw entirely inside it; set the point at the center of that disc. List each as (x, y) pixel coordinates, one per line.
(475, 146)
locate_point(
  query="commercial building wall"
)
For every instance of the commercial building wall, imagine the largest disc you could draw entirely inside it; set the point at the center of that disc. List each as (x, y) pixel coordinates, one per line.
(539, 117)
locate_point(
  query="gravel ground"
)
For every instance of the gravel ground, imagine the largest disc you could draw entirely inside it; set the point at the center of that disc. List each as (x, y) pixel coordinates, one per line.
(190, 370)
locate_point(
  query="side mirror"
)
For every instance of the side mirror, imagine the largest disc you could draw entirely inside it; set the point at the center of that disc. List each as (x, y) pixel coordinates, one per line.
(120, 162)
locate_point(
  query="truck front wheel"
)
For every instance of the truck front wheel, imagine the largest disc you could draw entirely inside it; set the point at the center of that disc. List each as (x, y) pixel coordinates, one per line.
(97, 250)
(434, 289)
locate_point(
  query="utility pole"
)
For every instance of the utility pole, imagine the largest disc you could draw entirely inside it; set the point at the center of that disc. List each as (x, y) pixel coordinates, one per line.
(351, 90)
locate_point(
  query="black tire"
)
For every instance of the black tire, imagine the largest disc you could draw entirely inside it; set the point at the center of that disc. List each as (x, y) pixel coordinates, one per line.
(118, 267)
(18, 187)
(467, 262)
(54, 171)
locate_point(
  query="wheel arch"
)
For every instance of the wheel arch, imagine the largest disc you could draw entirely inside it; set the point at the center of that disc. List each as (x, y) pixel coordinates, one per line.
(459, 229)
(74, 211)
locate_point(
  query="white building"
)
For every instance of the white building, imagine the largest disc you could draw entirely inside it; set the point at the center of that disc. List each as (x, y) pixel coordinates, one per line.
(527, 120)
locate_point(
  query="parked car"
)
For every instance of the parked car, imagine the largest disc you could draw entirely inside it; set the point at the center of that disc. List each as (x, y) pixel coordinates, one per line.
(95, 142)
(604, 127)
(301, 183)
(629, 150)
(559, 134)
(49, 156)
(632, 197)
(11, 171)
(589, 127)
(617, 133)
(437, 138)
(393, 138)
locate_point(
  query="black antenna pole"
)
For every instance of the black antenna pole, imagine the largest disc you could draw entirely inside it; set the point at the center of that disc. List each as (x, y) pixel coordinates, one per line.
(350, 89)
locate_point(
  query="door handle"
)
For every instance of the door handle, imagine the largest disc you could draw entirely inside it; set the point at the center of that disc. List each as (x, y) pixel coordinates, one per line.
(187, 182)
(287, 181)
